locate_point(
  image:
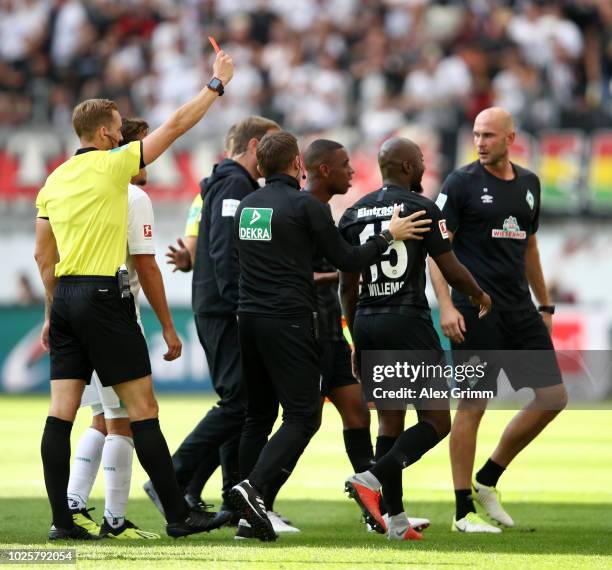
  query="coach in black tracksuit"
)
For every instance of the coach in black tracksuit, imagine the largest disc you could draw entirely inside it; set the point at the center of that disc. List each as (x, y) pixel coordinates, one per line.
(277, 230)
(215, 299)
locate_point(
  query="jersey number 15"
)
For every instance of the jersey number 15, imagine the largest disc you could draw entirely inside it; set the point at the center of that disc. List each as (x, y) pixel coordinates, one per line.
(392, 266)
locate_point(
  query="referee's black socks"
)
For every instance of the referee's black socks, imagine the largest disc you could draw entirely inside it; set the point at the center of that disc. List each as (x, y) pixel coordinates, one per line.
(55, 453)
(154, 456)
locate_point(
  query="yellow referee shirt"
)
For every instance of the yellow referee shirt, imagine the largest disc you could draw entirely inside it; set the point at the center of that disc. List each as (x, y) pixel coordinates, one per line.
(85, 200)
(193, 217)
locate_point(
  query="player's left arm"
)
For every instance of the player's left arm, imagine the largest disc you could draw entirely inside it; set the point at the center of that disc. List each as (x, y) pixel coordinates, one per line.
(141, 228)
(535, 278)
(153, 287)
(46, 256)
(349, 293)
(325, 278)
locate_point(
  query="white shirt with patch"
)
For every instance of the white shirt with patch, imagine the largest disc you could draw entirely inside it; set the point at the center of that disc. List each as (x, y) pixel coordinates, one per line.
(140, 235)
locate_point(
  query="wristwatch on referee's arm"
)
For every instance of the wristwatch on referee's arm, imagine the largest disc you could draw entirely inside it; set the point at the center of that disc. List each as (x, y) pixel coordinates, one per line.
(550, 309)
(215, 84)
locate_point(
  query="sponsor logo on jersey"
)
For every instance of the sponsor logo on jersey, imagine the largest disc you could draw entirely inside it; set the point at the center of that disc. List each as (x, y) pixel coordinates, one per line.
(388, 288)
(255, 224)
(510, 230)
(530, 199)
(229, 207)
(378, 212)
(147, 231)
(443, 230)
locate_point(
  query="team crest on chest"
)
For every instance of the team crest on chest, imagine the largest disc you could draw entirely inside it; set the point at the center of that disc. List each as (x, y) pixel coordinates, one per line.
(530, 199)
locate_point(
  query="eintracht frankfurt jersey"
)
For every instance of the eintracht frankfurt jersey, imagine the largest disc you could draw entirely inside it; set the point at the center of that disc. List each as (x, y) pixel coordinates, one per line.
(395, 284)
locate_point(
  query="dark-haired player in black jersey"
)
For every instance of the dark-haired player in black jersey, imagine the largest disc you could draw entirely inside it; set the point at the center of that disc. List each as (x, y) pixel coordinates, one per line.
(492, 212)
(392, 313)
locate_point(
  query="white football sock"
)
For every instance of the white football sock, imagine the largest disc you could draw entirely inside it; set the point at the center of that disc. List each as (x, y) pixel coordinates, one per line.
(117, 464)
(399, 521)
(369, 480)
(84, 468)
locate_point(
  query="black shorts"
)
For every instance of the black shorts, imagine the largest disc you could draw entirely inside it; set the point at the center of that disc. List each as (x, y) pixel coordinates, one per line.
(336, 369)
(416, 341)
(393, 331)
(93, 328)
(517, 341)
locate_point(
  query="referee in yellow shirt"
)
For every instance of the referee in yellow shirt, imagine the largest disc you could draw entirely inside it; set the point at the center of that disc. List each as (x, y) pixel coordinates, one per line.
(81, 236)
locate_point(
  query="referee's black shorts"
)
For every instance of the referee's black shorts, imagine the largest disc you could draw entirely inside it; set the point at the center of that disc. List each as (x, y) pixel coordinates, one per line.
(517, 341)
(93, 328)
(336, 369)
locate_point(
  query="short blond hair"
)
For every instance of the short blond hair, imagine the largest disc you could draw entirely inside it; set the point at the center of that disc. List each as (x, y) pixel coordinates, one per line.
(92, 114)
(253, 127)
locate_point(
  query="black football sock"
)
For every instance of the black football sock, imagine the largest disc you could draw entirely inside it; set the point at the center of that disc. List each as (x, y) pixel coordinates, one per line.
(409, 448)
(464, 503)
(490, 473)
(154, 456)
(55, 453)
(358, 445)
(392, 490)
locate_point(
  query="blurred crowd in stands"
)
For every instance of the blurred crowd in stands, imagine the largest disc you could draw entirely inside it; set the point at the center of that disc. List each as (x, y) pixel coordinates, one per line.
(313, 64)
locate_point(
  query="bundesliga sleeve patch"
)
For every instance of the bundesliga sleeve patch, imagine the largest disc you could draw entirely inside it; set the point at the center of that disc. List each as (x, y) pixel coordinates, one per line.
(229, 207)
(256, 224)
(443, 230)
(147, 231)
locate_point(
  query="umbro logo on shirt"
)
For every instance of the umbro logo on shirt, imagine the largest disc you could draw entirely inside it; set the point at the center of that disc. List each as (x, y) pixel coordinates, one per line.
(486, 198)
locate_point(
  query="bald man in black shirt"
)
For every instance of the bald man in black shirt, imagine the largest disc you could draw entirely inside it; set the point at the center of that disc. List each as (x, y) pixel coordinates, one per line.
(492, 214)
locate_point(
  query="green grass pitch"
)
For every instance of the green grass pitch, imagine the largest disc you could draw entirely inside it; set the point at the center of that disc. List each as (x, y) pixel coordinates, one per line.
(561, 486)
